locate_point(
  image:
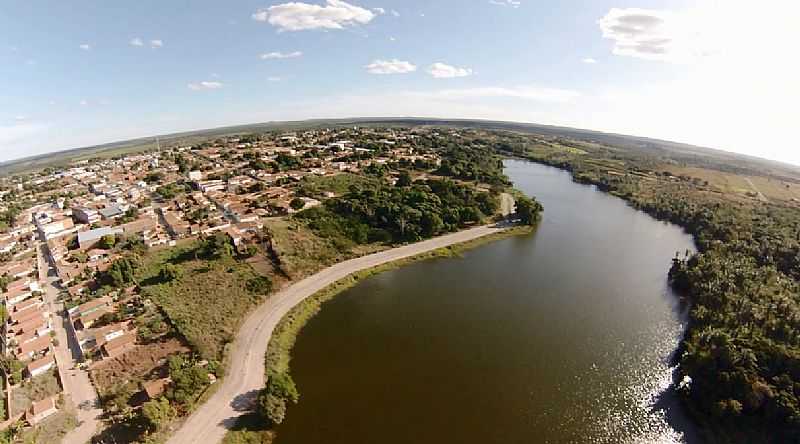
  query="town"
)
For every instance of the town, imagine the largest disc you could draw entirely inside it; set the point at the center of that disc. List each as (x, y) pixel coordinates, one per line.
(85, 337)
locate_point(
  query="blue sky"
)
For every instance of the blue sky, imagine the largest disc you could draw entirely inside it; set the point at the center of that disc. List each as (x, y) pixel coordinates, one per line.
(713, 73)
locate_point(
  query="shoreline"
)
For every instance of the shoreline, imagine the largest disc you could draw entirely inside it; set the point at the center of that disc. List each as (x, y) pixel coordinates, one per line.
(291, 325)
(246, 375)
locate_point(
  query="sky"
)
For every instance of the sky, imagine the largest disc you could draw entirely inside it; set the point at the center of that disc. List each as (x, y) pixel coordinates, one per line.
(717, 73)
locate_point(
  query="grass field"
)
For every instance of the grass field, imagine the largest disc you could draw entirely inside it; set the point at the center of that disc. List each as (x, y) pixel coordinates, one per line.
(208, 300)
(730, 183)
(302, 253)
(339, 184)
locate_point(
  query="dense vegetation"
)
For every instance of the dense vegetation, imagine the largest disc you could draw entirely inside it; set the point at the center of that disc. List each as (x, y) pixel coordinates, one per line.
(740, 358)
(382, 213)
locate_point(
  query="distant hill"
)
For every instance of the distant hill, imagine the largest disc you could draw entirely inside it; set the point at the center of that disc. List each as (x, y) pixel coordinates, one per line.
(674, 150)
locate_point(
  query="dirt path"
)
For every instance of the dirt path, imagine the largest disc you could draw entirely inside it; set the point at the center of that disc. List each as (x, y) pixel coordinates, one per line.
(761, 195)
(245, 376)
(507, 204)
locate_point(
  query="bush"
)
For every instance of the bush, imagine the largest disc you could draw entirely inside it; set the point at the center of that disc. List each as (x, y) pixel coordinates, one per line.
(272, 400)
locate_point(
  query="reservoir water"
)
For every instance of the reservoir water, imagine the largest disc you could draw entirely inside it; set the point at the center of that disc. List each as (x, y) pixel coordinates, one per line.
(561, 336)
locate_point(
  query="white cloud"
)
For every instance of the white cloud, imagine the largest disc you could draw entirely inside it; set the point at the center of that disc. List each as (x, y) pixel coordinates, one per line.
(395, 13)
(393, 66)
(663, 35)
(20, 118)
(156, 43)
(379, 11)
(444, 71)
(136, 41)
(512, 3)
(589, 60)
(204, 85)
(392, 39)
(281, 55)
(85, 46)
(274, 79)
(298, 16)
(83, 103)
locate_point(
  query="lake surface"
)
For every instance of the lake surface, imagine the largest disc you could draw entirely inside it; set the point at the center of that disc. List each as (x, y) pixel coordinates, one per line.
(562, 336)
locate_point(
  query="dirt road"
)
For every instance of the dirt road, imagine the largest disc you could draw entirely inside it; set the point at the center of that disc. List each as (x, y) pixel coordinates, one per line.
(78, 388)
(245, 377)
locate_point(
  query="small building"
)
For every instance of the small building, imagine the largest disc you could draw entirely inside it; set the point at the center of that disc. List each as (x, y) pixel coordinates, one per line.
(40, 366)
(112, 212)
(119, 345)
(153, 389)
(40, 410)
(85, 215)
(28, 350)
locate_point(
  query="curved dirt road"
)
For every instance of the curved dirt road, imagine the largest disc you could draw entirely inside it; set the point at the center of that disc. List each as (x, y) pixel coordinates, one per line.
(245, 376)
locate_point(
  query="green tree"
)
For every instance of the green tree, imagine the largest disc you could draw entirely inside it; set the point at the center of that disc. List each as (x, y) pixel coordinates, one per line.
(528, 210)
(187, 383)
(272, 400)
(107, 242)
(158, 413)
(169, 273)
(404, 179)
(297, 204)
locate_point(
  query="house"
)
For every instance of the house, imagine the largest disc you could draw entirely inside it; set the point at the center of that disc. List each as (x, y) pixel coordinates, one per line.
(85, 215)
(87, 239)
(17, 295)
(40, 366)
(85, 320)
(119, 345)
(108, 333)
(27, 304)
(153, 389)
(22, 316)
(18, 270)
(96, 254)
(111, 212)
(26, 351)
(56, 228)
(89, 307)
(40, 410)
(7, 245)
(195, 175)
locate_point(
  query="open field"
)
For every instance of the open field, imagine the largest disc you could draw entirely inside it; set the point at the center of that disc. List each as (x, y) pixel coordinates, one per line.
(207, 302)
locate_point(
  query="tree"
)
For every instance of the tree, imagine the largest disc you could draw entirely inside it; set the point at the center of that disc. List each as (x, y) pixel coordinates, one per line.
(169, 273)
(404, 179)
(158, 413)
(297, 204)
(272, 400)
(186, 383)
(528, 210)
(122, 271)
(259, 285)
(107, 242)
(12, 368)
